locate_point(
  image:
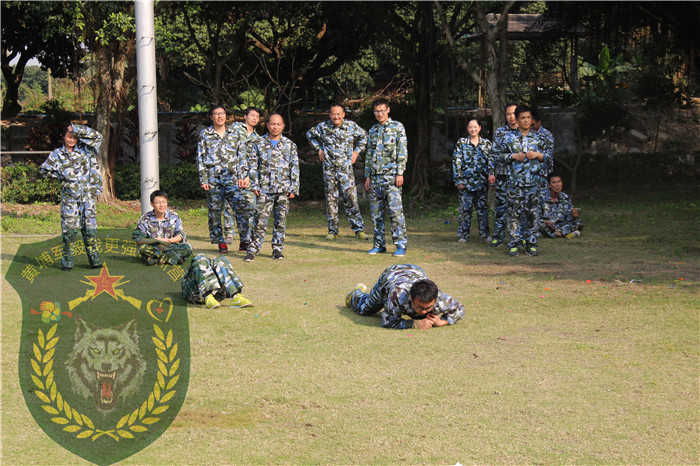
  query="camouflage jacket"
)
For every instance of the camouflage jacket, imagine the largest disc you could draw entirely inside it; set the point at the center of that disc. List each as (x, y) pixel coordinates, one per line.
(547, 134)
(77, 170)
(218, 155)
(528, 172)
(337, 143)
(470, 164)
(496, 165)
(397, 292)
(559, 211)
(386, 149)
(150, 227)
(249, 139)
(274, 169)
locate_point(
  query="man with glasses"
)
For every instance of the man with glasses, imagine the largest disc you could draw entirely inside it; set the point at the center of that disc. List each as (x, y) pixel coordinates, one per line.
(219, 159)
(385, 163)
(404, 290)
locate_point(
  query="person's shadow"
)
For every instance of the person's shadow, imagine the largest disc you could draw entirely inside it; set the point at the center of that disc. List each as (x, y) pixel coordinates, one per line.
(368, 321)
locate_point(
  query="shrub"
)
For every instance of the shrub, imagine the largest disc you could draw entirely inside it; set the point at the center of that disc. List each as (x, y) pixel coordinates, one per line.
(179, 181)
(21, 184)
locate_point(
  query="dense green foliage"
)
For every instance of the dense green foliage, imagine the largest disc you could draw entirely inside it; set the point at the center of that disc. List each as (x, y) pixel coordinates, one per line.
(21, 184)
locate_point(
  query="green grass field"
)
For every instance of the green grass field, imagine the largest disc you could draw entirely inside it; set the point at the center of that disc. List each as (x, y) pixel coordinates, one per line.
(585, 354)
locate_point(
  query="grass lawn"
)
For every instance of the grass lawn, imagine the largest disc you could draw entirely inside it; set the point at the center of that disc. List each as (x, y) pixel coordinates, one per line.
(585, 354)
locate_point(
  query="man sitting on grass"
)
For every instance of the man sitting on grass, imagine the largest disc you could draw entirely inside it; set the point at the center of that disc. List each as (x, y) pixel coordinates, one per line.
(559, 216)
(209, 281)
(160, 235)
(404, 290)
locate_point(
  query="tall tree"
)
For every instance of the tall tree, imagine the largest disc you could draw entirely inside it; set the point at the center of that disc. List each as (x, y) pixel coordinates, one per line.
(28, 32)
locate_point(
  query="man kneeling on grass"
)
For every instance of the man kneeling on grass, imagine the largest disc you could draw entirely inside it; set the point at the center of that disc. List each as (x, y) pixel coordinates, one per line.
(209, 281)
(404, 290)
(160, 234)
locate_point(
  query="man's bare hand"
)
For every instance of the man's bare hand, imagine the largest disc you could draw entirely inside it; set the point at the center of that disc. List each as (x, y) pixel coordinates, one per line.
(424, 324)
(205, 186)
(366, 184)
(355, 155)
(244, 182)
(321, 155)
(399, 180)
(436, 321)
(519, 156)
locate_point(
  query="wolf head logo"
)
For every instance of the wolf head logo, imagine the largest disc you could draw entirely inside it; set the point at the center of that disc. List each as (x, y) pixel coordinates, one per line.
(106, 363)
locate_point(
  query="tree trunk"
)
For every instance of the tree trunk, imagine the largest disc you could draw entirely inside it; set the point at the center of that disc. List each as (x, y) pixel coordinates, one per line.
(13, 78)
(110, 88)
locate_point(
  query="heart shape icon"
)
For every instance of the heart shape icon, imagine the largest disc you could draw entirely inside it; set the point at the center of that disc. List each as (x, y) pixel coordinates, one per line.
(157, 308)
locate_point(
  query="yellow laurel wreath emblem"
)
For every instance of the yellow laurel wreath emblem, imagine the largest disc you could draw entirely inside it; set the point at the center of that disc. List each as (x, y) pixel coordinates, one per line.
(82, 425)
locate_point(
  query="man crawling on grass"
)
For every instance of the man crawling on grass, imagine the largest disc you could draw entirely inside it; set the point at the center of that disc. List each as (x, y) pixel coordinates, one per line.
(404, 290)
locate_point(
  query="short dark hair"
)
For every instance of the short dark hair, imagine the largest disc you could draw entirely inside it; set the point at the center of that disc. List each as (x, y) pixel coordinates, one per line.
(158, 192)
(509, 104)
(336, 104)
(535, 115)
(424, 290)
(251, 109)
(215, 106)
(473, 119)
(522, 109)
(380, 101)
(553, 175)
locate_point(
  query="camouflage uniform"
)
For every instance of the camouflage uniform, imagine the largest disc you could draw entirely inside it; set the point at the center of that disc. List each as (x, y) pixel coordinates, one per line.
(338, 144)
(385, 160)
(206, 276)
(171, 226)
(559, 213)
(393, 291)
(544, 188)
(498, 168)
(470, 169)
(219, 161)
(228, 213)
(274, 172)
(524, 183)
(79, 175)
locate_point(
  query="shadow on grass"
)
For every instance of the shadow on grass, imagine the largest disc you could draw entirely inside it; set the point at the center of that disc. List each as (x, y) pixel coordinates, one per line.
(368, 321)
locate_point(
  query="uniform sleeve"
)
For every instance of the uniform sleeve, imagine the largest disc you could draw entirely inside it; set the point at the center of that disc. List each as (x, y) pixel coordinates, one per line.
(201, 153)
(294, 169)
(179, 230)
(451, 309)
(253, 167)
(401, 150)
(88, 137)
(141, 231)
(95, 177)
(369, 155)
(546, 151)
(314, 137)
(360, 138)
(392, 315)
(242, 169)
(457, 173)
(51, 167)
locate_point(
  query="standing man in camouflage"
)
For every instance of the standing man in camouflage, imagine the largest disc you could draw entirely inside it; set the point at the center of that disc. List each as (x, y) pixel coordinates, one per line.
(527, 154)
(75, 166)
(545, 133)
(209, 281)
(274, 176)
(339, 143)
(219, 158)
(385, 163)
(160, 234)
(404, 290)
(246, 130)
(498, 176)
(470, 169)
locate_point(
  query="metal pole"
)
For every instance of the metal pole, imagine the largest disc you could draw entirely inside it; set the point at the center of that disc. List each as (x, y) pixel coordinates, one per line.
(147, 100)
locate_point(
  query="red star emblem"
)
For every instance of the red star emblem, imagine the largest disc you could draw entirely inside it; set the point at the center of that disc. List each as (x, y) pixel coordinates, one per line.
(104, 282)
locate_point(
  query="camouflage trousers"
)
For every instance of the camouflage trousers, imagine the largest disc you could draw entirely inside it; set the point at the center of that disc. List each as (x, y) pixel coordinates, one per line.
(238, 200)
(385, 196)
(367, 304)
(230, 218)
(174, 254)
(524, 205)
(79, 215)
(501, 207)
(276, 204)
(564, 227)
(341, 182)
(467, 201)
(206, 276)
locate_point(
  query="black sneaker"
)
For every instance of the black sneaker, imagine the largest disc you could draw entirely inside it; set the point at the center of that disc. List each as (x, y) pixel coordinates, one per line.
(151, 261)
(496, 242)
(242, 247)
(513, 251)
(223, 249)
(249, 257)
(277, 255)
(531, 250)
